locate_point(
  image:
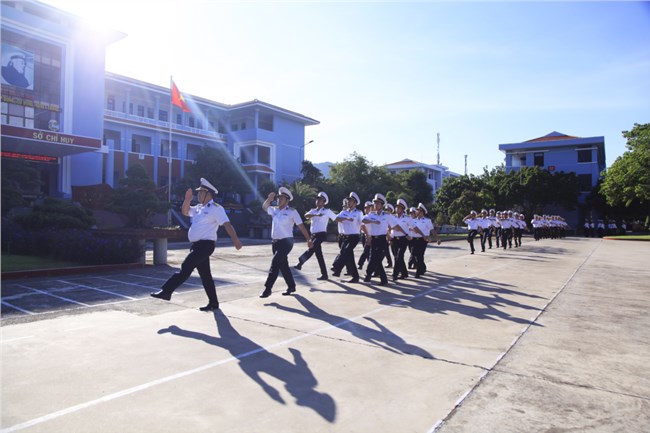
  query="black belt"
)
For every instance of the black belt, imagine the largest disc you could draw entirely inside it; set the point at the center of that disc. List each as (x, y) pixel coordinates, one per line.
(379, 236)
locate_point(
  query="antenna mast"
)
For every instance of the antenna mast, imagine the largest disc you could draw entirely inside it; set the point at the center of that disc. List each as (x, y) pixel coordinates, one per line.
(438, 134)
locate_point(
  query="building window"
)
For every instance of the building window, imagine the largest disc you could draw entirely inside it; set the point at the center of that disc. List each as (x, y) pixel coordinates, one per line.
(199, 124)
(264, 155)
(247, 155)
(538, 159)
(234, 127)
(130, 107)
(141, 110)
(242, 126)
(193, 151)
(585, 182)
(110, 103)
(265, 122)
(164, 148)
(190, 122)
(150, 112)
(584, 155)
(179, 119)
(140, 144)
(162, 115)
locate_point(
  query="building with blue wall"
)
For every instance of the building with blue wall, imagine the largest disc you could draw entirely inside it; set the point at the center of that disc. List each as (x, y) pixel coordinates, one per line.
(557, 152)
(584, 156)
(83, 126)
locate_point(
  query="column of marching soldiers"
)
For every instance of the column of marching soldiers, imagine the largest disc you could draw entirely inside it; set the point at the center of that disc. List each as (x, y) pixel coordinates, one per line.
(386, 230)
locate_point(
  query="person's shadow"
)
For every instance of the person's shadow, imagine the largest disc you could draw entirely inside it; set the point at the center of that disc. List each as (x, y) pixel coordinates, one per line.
(254, 359)
(379, 336)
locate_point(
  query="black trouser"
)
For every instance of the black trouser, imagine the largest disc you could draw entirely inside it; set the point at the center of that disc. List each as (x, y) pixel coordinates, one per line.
(347, 256)
(365, 255)
(377, 252)
(389, 259)
(483, 237)
(490, 232)
(419, 247)
(399, 246)
(317, 239)
(497, 235)
(280, 263)
(506, 238)
(411, 262)
(470, 238)
(199, 259)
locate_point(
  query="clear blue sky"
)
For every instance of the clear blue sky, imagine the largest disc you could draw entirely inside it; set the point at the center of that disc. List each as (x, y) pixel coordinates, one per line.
(384, 77)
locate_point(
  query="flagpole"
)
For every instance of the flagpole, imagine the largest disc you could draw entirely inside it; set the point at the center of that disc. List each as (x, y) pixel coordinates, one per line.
(169, 158)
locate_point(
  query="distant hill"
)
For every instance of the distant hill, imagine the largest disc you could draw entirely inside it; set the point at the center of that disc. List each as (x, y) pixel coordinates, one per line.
(324, 167)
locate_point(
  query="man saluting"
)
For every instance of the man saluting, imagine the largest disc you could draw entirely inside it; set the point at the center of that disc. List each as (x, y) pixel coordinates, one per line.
(206, 217)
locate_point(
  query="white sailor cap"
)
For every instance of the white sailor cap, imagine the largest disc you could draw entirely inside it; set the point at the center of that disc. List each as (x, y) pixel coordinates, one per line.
(402, 202)
(207, 186)
(324, 195)
(390, 206)
(380, 197)
(412, 209)
(423, 207)
(285, 192)
(353, 195)
(367, 204)
(472, 212)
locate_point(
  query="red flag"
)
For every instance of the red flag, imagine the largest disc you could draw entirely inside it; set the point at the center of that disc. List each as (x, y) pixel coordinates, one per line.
(178, 100)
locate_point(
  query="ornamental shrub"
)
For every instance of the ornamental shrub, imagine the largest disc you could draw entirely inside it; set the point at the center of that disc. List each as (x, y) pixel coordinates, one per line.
(75, 245)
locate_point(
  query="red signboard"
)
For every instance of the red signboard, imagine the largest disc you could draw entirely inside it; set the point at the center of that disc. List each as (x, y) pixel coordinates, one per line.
(39, 158)
(51, 137)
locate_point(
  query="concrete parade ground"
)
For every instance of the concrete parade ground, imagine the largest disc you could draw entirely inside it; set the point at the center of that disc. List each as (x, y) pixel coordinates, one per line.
(553, 336)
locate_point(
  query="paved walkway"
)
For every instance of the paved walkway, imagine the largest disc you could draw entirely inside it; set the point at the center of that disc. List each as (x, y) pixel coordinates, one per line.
(549, 337)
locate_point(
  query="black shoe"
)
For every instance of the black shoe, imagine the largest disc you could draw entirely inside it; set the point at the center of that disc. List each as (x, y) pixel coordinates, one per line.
(322, 278)
(404, 277)
(161, 294)
(389, 266)
(360, 267)
(472, 252)
(298, 266)
(289, 291)
(353, 280)
(266, 293)
(336, 274)
(210, 307)
(384, 283)
(367, 280)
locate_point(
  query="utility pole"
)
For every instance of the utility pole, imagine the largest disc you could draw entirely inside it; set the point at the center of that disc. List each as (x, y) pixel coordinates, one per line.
(465, 165)
(438, 134)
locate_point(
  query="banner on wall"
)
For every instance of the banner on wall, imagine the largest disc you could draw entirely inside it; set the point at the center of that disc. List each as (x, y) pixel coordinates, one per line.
(17, 67)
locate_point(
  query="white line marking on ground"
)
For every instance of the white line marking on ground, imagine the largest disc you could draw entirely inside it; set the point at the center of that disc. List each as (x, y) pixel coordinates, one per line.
(99, 290)
(144, 386)
(10, 340)
(22, 310)
(42, 292)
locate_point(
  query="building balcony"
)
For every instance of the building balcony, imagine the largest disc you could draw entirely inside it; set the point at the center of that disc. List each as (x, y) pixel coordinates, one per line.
(159, 124)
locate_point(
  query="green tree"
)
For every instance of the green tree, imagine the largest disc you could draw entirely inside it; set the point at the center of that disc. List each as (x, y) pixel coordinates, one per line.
(628, 178)
(136, 198)
(414, 187)
(19, 178)
(304, 196)
(311, 175)
(358, 174)
(221, 169)
(54, 213)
